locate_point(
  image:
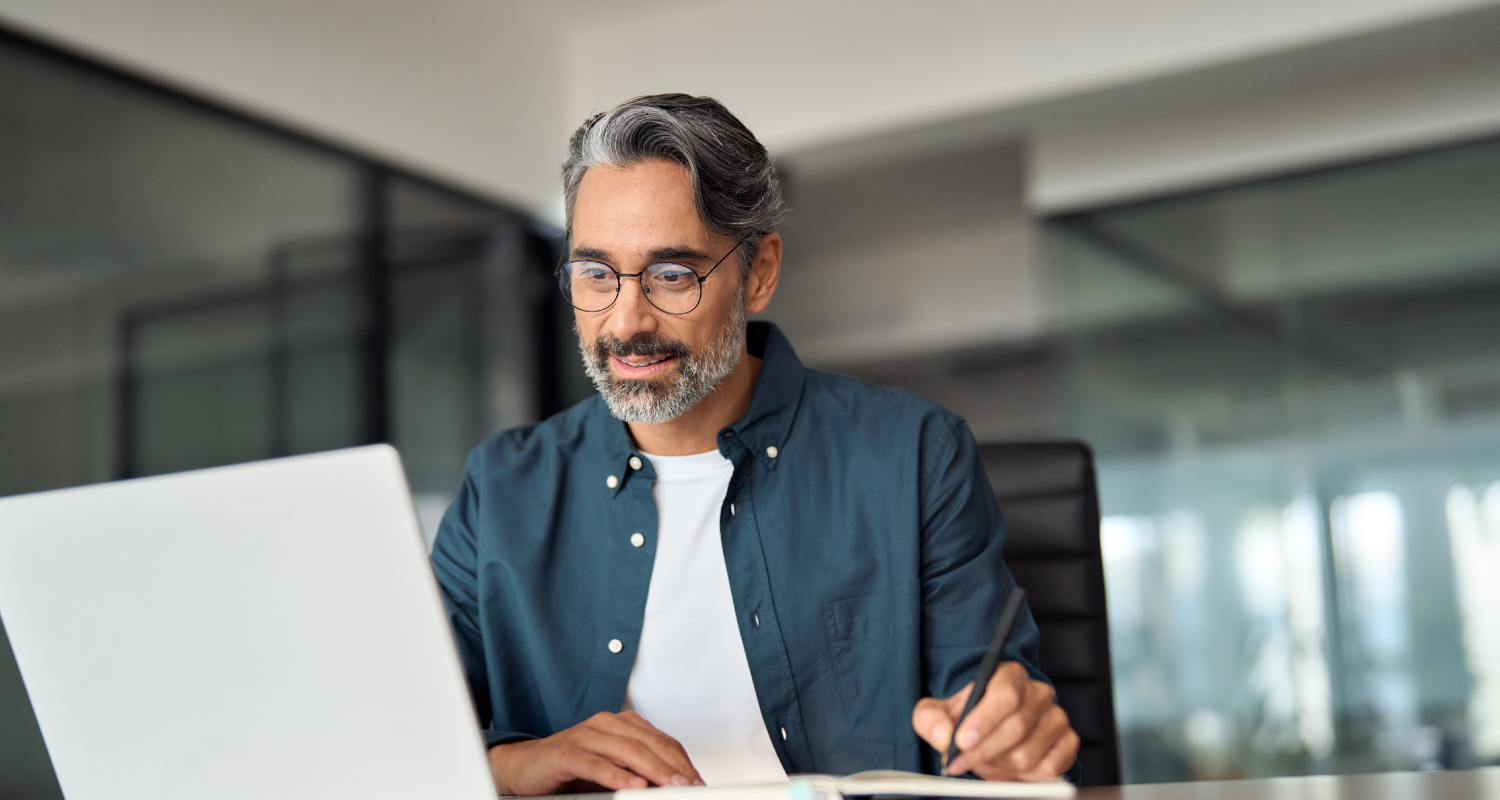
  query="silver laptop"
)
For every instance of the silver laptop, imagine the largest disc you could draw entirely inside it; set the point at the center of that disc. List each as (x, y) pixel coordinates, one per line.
(267, 630)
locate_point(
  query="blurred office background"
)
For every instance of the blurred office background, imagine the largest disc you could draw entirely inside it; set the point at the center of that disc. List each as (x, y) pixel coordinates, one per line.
(1249, 251)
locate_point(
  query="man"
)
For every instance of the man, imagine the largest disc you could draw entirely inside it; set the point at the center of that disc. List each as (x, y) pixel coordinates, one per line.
(726, 566)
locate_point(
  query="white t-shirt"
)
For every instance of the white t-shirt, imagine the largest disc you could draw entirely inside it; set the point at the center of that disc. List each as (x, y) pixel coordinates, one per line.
(691, 678)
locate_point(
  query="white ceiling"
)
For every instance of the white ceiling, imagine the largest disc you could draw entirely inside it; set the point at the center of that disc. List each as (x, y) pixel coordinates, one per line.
(484, 93)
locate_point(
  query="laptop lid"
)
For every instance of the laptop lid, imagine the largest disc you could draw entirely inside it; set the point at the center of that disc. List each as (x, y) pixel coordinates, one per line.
(265, 630)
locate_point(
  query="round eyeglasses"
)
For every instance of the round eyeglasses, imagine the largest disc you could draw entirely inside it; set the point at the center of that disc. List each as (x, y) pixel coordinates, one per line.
(595, 286)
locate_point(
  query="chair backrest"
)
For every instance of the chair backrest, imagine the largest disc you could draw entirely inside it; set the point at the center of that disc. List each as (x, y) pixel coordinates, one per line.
(1047, 494)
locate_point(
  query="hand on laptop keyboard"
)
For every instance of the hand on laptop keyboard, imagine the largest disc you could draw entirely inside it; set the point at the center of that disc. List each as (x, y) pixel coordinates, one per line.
(609, 751)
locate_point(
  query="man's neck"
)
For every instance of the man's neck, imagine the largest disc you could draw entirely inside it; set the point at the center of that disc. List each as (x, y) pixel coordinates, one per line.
(697, 429)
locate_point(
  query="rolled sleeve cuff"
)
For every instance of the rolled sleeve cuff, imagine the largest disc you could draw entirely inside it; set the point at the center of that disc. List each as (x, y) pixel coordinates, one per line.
(494, 738)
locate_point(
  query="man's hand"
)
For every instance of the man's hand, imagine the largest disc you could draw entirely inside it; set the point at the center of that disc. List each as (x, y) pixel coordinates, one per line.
(613, 751)
(1016, 733)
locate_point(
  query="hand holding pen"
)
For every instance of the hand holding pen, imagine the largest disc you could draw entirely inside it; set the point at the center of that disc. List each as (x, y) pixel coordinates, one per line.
(1010, 728)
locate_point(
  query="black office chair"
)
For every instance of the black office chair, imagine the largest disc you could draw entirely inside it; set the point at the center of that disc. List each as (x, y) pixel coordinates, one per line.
(1047, 493)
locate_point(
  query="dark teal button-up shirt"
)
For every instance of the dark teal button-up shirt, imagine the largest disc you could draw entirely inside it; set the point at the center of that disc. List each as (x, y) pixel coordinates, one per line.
(858, 529)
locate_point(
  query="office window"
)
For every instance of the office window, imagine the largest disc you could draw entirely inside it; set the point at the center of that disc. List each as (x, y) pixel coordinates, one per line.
(1474, 525)
(1293, 389)
(184, 287)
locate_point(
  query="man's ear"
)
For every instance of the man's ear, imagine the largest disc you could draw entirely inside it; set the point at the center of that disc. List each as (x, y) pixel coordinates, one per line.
(765, 271)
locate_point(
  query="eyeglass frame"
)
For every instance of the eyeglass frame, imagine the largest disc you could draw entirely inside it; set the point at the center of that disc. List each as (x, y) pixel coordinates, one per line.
(621, 276)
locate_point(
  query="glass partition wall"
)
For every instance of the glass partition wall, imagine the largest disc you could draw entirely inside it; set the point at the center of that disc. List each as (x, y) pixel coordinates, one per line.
(1293, 388)
(183, 287)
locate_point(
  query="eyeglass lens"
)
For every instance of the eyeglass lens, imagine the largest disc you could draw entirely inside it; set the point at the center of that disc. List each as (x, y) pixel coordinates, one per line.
(593, 286)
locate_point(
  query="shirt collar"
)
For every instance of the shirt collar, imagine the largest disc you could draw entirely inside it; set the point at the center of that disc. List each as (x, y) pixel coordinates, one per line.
(773, 404)
(767, 425)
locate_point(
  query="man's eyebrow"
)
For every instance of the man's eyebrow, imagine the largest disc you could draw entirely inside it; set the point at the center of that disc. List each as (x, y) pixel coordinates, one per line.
(679, 254)
(590, 254)
(673, 253)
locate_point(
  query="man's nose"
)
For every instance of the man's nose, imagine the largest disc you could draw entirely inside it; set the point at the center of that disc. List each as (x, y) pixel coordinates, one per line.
(632, 314)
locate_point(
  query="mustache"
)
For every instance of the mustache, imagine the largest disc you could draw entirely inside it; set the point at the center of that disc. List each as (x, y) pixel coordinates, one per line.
(642, 346)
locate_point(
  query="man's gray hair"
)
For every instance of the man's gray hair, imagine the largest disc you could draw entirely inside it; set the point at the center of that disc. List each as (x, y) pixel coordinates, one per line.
(736, 187)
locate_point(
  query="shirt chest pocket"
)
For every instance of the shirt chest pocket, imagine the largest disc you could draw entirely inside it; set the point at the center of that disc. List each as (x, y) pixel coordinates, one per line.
(877, 659)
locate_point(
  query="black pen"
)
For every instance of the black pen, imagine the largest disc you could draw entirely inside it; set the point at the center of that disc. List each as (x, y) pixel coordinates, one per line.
(987, 666)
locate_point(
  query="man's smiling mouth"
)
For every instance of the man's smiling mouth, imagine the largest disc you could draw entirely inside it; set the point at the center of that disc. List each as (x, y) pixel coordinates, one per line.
(642, 366)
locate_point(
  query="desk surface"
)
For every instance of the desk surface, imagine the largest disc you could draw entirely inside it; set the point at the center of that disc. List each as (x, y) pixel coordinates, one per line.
(1456, 785)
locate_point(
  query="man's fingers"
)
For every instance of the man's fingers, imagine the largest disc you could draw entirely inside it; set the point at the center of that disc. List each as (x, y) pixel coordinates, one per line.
(1058, 760)
(631, 725)
(665, 746)
(1005, 696)
(632, 718)
(1017, 727)
(931, 720)
(955, 704)
(634, 755)
(593, 767)
(1051, 724)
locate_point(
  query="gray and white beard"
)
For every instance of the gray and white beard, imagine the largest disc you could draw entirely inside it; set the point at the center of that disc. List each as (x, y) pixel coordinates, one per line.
(654, 402)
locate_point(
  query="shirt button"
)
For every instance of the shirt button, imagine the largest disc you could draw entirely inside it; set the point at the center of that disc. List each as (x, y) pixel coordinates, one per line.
(615, 645)
(783, 734)
(611, 481)
(637, 539)
(771, 451)
(635, 463)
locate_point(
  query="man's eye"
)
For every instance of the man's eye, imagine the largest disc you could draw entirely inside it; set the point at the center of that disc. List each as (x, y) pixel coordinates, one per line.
(590, 272)
(671, 274)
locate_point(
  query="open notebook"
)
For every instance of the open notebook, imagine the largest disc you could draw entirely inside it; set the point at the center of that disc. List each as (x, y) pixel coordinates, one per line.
(860, 784)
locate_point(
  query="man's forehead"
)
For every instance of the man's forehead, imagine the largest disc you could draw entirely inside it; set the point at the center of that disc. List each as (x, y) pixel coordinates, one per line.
(652, 187)
(638, 210)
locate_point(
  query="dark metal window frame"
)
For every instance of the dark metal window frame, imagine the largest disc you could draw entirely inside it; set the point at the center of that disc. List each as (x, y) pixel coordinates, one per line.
(374, 233)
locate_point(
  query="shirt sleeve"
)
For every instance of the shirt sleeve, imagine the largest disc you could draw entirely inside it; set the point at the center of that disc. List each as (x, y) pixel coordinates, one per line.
(455, 563)
(965, 581)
